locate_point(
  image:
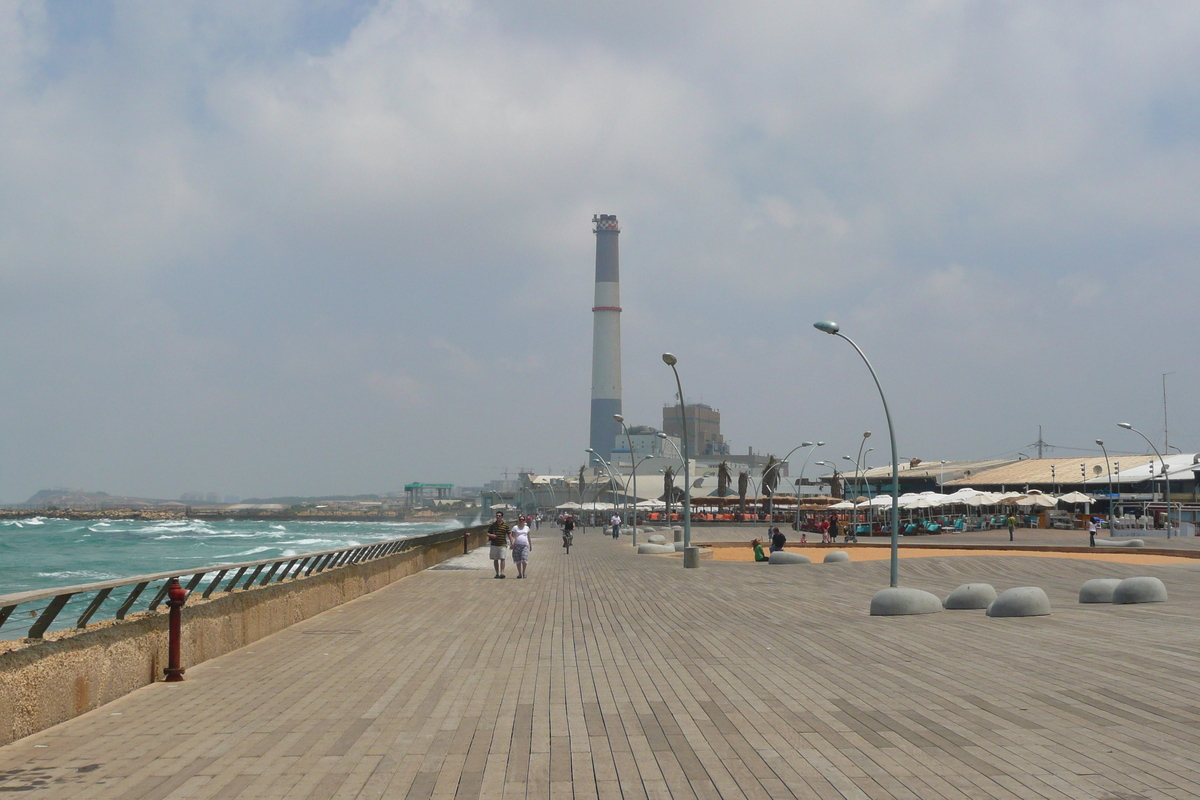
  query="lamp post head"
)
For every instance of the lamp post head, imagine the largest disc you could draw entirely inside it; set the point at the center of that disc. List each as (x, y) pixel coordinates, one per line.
(848, 458)
(1126, 425)
(590, 450)
(822, 463)
(866, 434)
(618, 418)
(806, 444)
(661, 435)
(1100, 442)
(827, 326)
(820, 444)
(670, 360)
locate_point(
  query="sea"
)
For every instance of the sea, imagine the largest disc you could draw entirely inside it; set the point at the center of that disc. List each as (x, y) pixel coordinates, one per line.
(43, 552)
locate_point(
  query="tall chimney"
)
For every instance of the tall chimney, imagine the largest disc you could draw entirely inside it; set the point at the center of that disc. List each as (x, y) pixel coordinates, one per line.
(606, 337)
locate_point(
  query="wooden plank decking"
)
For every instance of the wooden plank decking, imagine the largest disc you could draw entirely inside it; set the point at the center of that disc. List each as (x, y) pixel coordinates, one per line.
(611, 675)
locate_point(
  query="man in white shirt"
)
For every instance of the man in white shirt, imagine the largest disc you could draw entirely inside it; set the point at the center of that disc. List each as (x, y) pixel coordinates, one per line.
(616, 526)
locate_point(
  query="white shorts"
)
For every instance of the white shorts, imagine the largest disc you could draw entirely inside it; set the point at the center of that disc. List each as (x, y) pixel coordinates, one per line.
(499, 553)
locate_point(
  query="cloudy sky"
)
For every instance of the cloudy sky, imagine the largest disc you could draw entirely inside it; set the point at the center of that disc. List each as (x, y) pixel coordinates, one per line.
(309, 246)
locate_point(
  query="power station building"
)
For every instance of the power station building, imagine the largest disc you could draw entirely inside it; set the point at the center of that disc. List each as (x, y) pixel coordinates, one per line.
(606, 337)
(703, 428)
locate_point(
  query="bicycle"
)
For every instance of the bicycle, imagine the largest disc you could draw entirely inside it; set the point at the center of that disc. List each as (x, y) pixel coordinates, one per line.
(566, 541)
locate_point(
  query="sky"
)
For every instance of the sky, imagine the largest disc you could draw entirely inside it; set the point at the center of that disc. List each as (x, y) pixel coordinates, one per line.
(336, 246)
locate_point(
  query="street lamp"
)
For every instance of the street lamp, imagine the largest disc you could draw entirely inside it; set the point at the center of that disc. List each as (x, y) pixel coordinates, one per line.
(633, 470)
(784, 461)
(628, 438)
(833, 329)
(1108, 467)
(691, 555)
(612, 482)
(801, 479)
(1166, 478)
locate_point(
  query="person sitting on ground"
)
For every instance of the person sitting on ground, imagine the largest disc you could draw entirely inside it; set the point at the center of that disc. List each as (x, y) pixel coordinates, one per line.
(759, 555)
(803, 538)
(778, 540)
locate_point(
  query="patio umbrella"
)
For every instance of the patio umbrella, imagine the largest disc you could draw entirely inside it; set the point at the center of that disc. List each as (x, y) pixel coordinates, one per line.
(1037, 500)
(1075, 497)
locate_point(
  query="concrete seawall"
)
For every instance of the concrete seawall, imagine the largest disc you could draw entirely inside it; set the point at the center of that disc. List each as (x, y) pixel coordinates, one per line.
(66, 675)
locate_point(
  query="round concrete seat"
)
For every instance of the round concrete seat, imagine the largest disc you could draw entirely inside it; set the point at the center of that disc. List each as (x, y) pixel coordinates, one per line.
(784, 557)
(1098, 590)
(648, 530)
(970, 595)
(657, 538)
(1121, 543)
(1139, 590)
(902, 602)
(837, 557)
(655, 549)
(1022, 601)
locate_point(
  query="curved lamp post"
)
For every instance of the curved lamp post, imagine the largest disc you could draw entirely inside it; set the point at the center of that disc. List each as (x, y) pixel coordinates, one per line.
(833, 329)
(776, 466)
(628, 438)
(612, 482)
(691, 555)
(800, 481)
(1166, 479)
(633, 469)
(1108, 467)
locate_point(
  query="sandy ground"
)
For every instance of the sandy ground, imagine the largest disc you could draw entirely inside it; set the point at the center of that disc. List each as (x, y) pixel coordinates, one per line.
(882, 553)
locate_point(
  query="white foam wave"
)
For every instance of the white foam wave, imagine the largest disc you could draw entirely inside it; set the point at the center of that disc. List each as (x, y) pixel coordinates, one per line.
(90, 574)
(251, 552)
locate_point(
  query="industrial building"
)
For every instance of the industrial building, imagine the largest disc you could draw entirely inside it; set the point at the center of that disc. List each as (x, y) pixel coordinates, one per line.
(606, 337)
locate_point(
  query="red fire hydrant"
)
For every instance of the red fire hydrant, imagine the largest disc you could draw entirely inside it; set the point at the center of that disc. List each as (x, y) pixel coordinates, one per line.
(176, 597)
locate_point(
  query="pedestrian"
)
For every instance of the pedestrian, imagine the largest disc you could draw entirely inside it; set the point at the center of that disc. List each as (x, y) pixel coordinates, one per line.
(522, 544)
(759, 556)
(1012, 526)
(778, 540)
(803, 538)
(833, 528)
(616, 526)
(824, 529)
(497, 534)
(1092, 532)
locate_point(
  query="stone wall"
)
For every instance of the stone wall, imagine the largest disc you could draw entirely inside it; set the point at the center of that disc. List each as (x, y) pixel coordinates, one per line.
(70, 673)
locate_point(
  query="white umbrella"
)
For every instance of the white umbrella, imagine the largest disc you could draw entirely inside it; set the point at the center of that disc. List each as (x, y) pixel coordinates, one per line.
(845, 505)
(1075, 497)
(569, 506)
(1039, 500)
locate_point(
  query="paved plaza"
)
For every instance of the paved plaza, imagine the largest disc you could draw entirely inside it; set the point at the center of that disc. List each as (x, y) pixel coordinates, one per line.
(612, 675)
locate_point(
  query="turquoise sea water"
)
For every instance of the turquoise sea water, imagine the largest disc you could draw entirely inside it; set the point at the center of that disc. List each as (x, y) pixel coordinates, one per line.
(42, 553)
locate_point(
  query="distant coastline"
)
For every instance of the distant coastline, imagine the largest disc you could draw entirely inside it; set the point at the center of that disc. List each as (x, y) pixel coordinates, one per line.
(249, 515)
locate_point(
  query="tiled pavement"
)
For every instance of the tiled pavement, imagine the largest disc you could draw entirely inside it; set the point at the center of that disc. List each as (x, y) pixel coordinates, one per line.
(607, 674)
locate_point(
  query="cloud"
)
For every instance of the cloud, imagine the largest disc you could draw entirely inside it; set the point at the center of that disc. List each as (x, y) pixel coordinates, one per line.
(307, 215)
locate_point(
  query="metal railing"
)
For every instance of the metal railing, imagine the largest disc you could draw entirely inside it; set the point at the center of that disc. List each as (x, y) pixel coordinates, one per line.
(245, 576)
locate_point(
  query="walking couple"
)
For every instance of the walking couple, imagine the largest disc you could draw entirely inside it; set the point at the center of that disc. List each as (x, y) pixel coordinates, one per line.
(499, 534)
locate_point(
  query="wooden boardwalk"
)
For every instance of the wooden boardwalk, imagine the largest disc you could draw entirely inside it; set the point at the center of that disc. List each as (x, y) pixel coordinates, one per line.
(611, 675)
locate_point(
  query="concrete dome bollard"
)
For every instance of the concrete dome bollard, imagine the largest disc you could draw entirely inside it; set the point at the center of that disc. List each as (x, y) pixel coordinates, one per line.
(655, 549)
(970, 596)
(1139, 590)
(837, 557)
(1098, 590)
(648, 530)
(784, 557)
(902, 602)
(1022, 601)
(657, 538)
